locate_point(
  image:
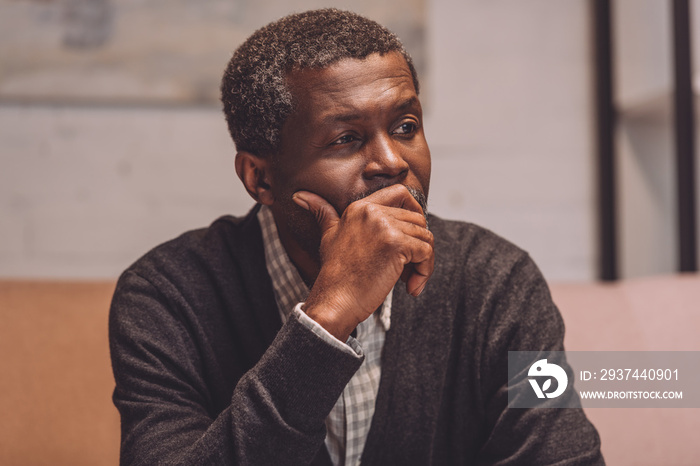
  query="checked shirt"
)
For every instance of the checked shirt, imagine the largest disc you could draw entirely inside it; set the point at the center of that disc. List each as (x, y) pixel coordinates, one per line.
(349, 421)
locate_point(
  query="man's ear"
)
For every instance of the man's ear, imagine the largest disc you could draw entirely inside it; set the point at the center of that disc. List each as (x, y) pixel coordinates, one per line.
(254, 172)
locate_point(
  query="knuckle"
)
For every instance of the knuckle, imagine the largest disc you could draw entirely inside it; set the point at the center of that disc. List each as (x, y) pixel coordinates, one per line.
(363, 209)
(352, 208)
(393, 236)
(370, 209)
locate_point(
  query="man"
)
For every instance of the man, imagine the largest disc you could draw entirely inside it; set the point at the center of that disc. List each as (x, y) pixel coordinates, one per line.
(287, 336)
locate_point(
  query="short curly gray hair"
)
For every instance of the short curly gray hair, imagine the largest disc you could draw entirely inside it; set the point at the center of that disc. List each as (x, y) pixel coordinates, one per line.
(254, 92)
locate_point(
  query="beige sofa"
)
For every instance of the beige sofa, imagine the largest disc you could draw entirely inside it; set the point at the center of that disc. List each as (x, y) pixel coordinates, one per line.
(56, 381)
(650, 314)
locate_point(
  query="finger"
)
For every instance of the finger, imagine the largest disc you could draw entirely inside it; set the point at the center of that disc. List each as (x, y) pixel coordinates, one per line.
(407, 216)
(412, 231)
(420, 254)
(416, 284)
(407, 272)
(396, 195)
(419, 278)
(325, 213)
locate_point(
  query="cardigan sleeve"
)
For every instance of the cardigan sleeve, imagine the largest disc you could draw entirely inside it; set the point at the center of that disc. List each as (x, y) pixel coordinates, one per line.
(524, 318)
(277, 410)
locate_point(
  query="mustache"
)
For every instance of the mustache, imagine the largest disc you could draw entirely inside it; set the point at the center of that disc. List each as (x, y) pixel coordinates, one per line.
(416, 193)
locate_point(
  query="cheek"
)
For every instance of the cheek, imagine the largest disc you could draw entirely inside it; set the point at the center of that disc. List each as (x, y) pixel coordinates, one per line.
(335, 182)
(424, 177)
(420, 164)
(424, 167)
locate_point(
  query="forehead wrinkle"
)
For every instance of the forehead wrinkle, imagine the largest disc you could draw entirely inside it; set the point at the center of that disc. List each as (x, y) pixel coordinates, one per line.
(339, 86)
(350, 112)
(344, 91)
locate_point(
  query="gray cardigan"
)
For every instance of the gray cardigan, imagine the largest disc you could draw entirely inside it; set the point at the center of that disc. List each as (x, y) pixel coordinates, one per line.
(207, 374)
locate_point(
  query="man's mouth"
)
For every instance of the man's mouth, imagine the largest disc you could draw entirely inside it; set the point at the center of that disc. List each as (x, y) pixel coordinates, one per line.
(417, 194)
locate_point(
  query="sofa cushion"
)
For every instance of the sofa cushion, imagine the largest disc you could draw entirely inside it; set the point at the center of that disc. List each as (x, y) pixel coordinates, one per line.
(56, 381)
(646, 314)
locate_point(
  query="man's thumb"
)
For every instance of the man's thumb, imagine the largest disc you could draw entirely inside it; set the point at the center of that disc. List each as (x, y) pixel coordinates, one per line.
(325, 214)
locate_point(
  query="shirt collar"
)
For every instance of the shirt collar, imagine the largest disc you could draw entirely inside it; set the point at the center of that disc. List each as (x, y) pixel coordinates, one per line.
(287, 284)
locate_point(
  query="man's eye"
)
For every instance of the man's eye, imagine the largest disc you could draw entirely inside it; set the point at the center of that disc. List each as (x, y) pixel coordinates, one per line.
(344, 139)
(406, 128)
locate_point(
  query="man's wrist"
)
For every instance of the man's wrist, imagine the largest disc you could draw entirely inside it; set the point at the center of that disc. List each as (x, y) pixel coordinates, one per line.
(338, 323)
(349, 345)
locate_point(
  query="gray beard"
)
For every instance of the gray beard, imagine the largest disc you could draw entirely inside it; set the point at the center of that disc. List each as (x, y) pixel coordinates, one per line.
(417, 194)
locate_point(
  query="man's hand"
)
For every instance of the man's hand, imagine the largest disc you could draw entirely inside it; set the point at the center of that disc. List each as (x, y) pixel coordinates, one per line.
(378, 240)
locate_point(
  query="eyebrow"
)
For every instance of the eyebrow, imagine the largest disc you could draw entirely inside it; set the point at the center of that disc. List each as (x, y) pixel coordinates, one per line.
(343, 117)
(408, 103)
(353, 116)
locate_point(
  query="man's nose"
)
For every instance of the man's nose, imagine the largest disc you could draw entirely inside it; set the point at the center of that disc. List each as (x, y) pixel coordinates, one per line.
(385, 160)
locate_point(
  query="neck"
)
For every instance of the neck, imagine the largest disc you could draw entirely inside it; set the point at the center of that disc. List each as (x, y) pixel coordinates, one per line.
(306, 263)
(307, 266)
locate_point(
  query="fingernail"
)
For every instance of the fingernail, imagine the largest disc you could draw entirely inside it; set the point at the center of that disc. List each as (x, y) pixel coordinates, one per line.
(300, 202)
(420, 290)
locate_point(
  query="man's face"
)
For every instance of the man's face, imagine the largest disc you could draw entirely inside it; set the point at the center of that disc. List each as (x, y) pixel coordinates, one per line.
(357, 127)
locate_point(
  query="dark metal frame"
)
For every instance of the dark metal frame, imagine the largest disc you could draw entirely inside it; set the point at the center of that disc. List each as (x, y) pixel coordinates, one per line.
(605, 122)
(684, 127)
(684, 123)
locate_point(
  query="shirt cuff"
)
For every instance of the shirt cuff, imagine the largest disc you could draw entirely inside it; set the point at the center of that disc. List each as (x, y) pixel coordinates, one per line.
(351, 346)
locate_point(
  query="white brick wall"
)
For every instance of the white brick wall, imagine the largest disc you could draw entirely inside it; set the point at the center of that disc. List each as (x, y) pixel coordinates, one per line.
(510, 126)
(85, 191)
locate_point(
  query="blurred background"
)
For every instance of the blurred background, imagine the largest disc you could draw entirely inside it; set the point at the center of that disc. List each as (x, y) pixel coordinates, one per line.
(551, 122)
(112, 139)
